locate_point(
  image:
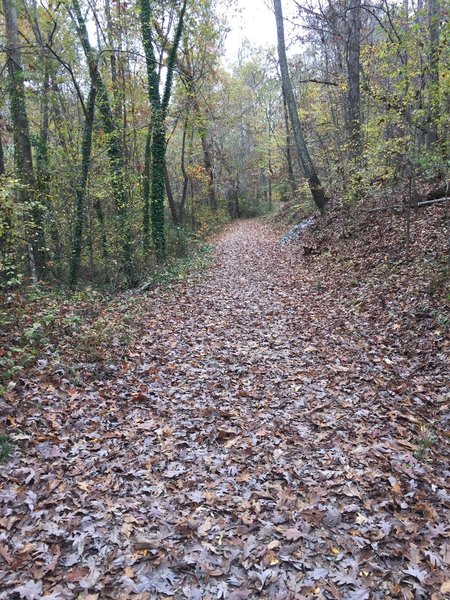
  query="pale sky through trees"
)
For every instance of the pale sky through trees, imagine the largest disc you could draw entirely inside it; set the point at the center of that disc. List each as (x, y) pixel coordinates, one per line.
(254, 21)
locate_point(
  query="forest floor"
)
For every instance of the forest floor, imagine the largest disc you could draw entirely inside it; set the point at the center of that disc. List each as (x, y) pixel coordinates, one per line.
(276, 430)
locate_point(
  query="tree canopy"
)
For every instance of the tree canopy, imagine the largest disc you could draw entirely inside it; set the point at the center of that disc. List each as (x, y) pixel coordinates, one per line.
(124, 132)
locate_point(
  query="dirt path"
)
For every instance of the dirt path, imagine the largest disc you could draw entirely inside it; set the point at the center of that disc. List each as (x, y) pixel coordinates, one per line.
(250, 447)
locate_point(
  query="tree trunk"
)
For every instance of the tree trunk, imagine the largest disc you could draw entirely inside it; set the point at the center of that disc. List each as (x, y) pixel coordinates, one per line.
(159, 108)
(269, 165)
(81, 189)
(186, 68)
(115, 154)
(104, 237)
(291, 175)
(158, 163)
(2, 156)
(117, 104)
(184, 189)
(146, 192)
(170, 198)
(43, 173)
(5, 223)
(317, 191)
(23, 160)
(207, 162)
(353, 73)
(233, 201)
(433, 62)
(43, 166)
(21, 133)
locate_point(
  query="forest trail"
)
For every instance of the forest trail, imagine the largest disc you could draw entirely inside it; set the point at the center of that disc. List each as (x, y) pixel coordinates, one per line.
(252, 445)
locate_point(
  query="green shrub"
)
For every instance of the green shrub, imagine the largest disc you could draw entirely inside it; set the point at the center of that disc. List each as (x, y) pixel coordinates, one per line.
(6, 447)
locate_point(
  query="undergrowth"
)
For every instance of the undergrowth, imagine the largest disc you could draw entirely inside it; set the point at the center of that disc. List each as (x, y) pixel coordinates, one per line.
(40, 326)
(180, 269)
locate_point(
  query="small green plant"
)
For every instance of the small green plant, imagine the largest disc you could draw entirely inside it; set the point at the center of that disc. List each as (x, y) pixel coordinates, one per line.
(424, 310)
(34, 332)
(74, 376)
(6, 447)
(443, 320)
(73, 321)
(427, 440)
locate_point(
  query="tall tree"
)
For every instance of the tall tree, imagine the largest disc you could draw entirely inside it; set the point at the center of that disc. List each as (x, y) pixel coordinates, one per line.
(2, 156)
(159, 107)
(23, 158)
(353, 70)
(115, 151)
(288, 153)
(433, 26)
(317, 191)
(5, 218)
(81, 188)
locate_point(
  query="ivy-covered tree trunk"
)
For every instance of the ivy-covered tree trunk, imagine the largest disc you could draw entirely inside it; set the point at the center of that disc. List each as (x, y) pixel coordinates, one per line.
(353, 112)
(81, 189)
(159, 109)
(5, 221)
(146, 220)
(43, 170)
(23, 159)
(185, 66)
(433, 69)
(317, 191)
(158, 163)
(353, 72)
(115, 153)
(2, 156)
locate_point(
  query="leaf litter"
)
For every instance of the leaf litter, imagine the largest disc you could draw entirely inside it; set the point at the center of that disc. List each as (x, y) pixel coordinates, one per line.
(260, 439)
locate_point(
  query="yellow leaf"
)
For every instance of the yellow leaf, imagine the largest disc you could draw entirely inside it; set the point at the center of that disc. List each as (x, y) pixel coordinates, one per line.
(277, 454)
(83, 485)
(361, 519)
(310, 349)
(335, 550)
(203, 529)
(127, 529)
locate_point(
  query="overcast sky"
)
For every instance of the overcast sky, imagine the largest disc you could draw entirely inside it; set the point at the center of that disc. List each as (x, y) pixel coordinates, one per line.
(255, 21)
